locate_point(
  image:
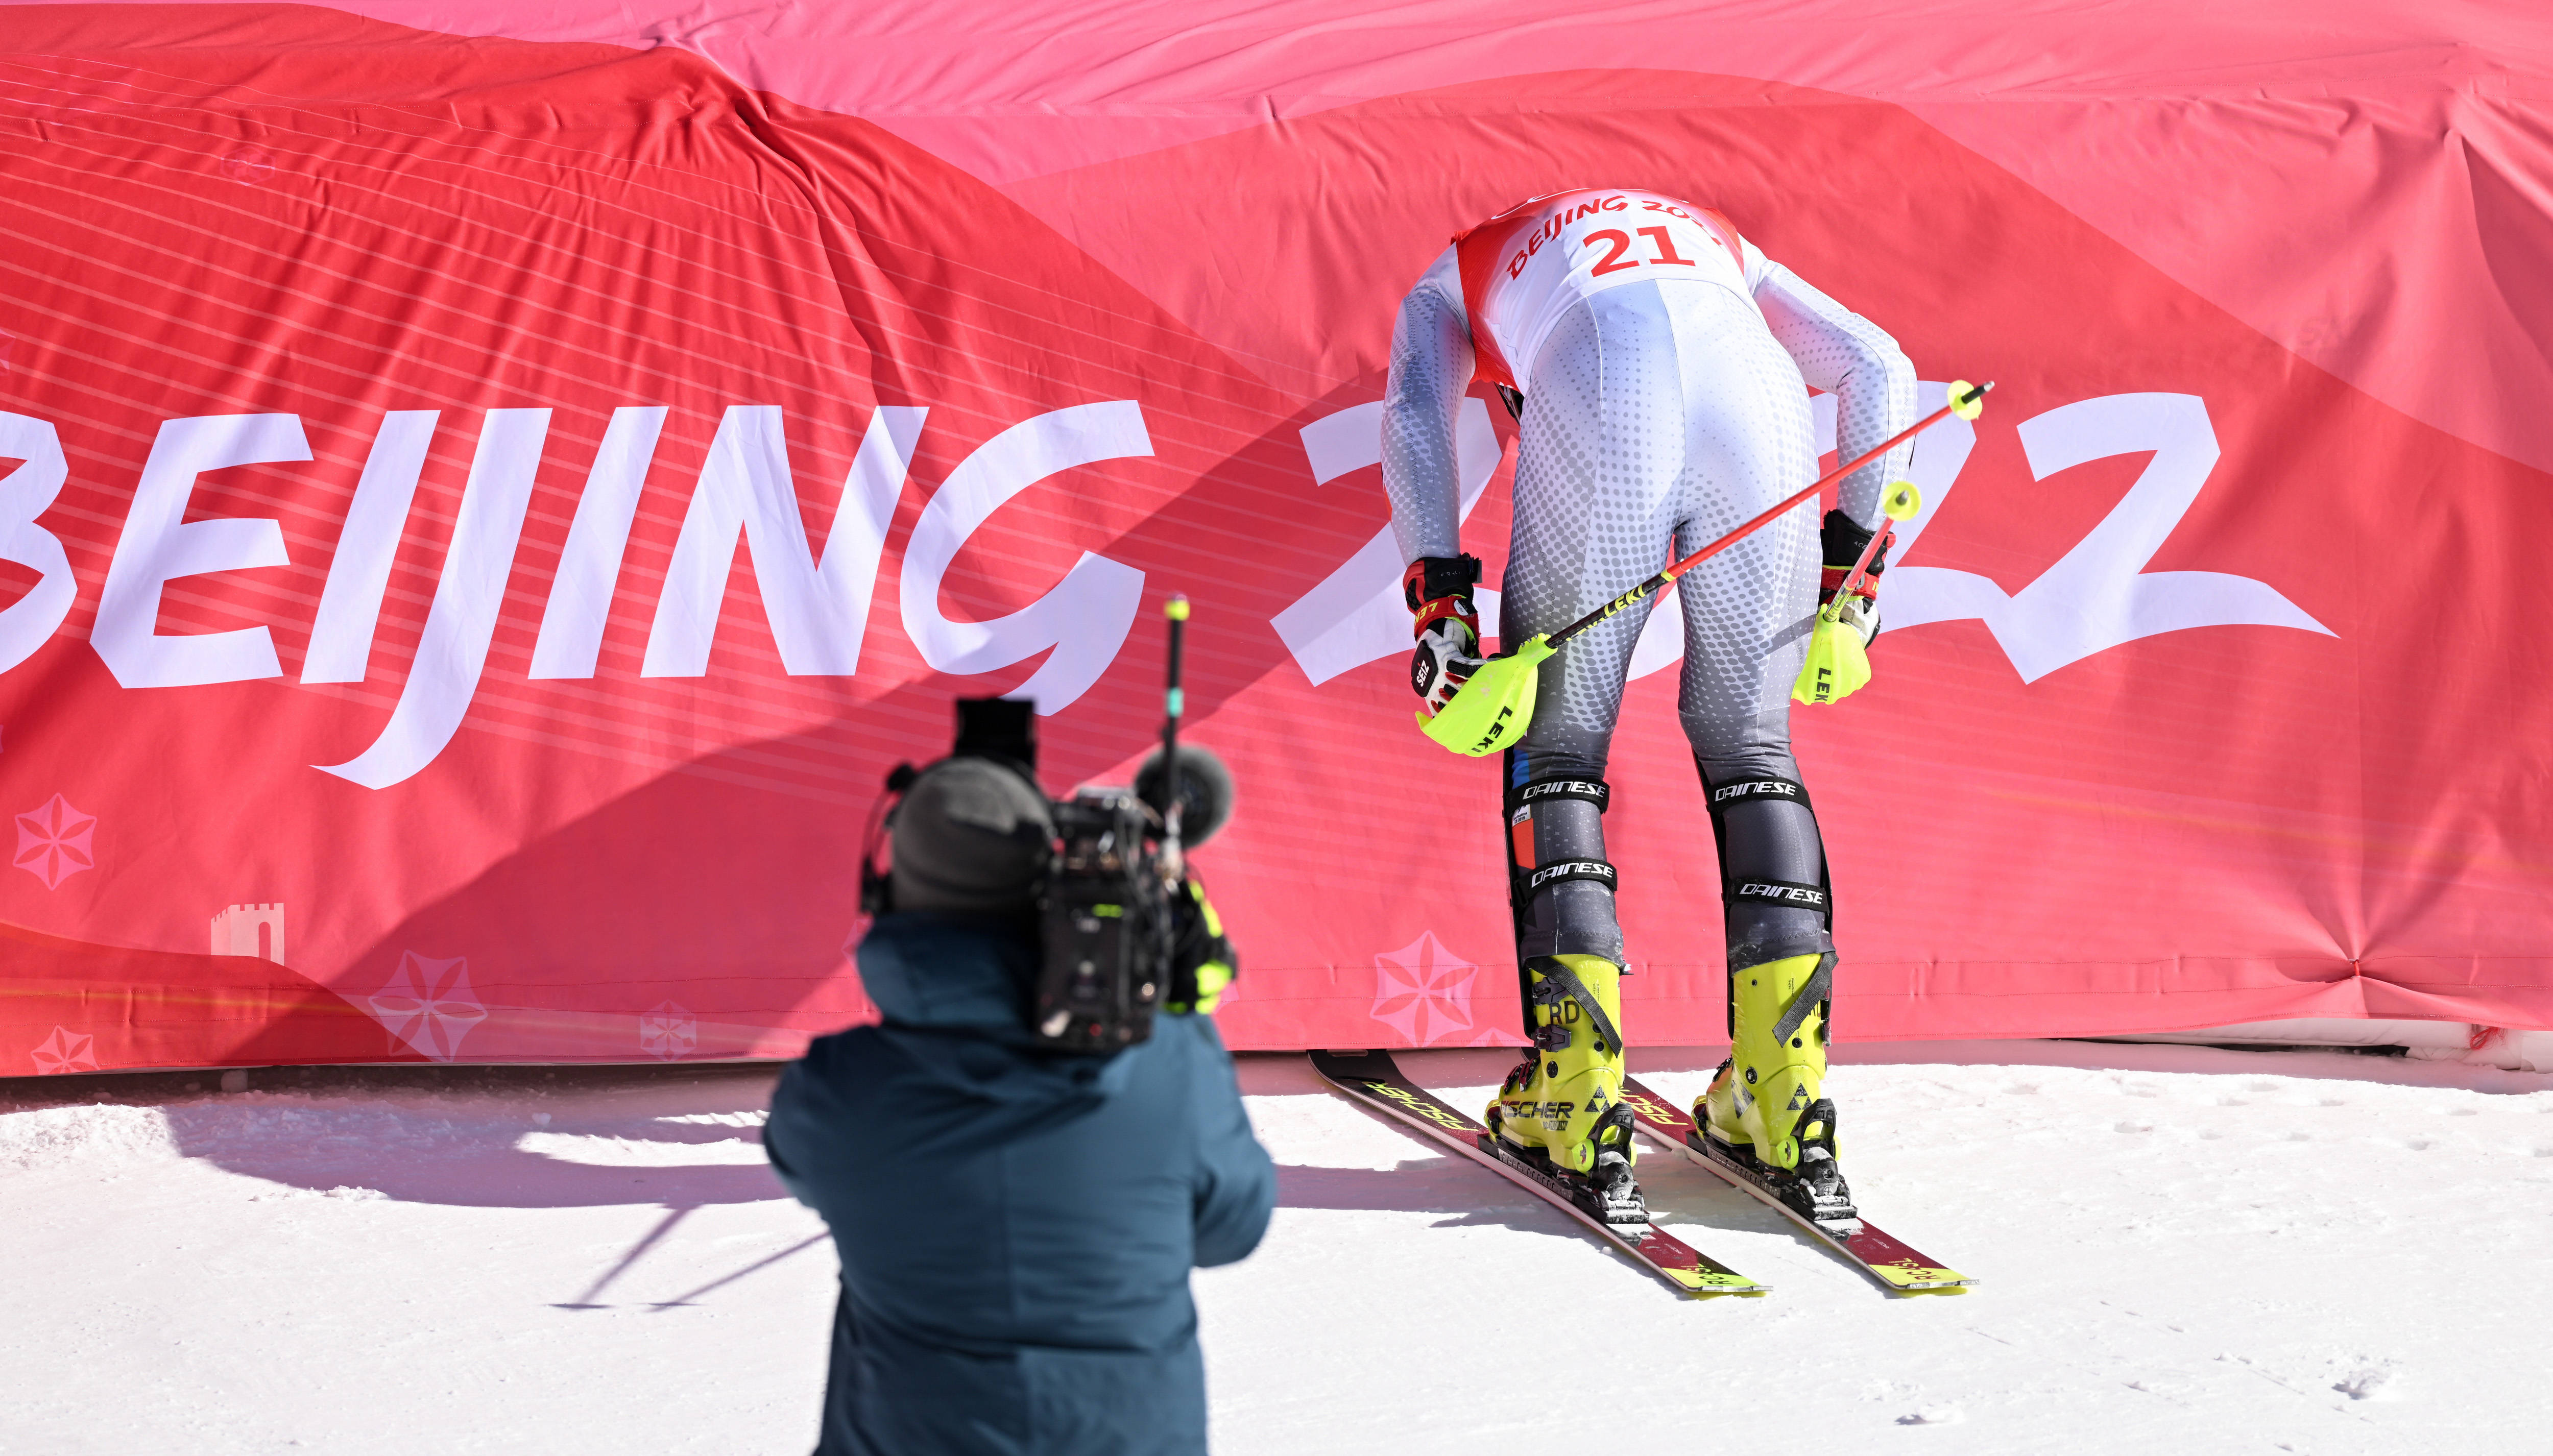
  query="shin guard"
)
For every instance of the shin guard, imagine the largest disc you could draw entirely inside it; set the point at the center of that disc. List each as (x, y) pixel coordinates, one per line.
(1560, 886)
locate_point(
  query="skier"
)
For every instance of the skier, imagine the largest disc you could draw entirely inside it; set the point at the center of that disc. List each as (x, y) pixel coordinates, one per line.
(1657, 365)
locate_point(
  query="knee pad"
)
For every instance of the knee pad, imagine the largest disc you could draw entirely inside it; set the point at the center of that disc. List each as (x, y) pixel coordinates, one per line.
(1767, 918)
(1525, 799)
(1555, 839)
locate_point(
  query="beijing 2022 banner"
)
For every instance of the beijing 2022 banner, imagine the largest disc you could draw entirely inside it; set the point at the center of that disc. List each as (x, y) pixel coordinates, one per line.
(488, 492)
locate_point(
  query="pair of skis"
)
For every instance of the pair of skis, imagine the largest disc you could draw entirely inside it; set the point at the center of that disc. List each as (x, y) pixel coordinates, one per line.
(1375, 1079)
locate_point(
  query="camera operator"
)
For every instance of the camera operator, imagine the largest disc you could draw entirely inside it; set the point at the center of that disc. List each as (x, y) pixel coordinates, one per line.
(1016, 1223)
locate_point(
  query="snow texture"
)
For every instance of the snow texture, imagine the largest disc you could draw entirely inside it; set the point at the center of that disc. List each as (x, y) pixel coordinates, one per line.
(2182, 1248)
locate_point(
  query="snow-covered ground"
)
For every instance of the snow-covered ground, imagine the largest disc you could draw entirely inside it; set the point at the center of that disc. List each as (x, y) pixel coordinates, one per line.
(2181, 1248)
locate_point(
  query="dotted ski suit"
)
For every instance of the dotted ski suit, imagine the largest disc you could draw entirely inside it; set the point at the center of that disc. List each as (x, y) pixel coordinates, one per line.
(1664, 364)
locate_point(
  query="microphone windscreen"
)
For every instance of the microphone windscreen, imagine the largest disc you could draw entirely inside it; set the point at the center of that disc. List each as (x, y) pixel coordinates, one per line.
(1205, 791)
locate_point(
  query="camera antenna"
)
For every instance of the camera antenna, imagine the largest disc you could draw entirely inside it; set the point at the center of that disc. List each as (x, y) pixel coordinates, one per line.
(1173, 702)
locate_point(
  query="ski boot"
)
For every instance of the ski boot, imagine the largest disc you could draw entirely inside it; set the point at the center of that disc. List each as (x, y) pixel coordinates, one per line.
(1562, 1108)
(1765, 1110)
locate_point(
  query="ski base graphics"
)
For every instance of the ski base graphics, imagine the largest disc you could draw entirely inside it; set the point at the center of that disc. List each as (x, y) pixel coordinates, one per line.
(1898, 1268)
(1377, 1081)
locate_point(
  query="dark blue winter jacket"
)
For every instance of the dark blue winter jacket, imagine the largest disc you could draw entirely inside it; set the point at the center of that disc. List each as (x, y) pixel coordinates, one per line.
(1016, 1226)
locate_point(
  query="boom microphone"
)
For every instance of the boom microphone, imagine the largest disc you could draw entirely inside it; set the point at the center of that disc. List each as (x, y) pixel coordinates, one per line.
(1205, 791)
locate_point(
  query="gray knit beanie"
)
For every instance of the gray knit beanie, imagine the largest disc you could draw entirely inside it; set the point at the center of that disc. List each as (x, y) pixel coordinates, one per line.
(971, 835)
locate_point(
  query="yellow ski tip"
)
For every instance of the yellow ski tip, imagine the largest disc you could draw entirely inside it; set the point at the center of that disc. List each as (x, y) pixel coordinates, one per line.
(1906, 1279)
(1175, 608)
(1694, 1280)
(1968, 400)
(1902, 502)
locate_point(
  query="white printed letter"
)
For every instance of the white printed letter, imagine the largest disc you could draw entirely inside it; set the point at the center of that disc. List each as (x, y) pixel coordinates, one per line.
(160, 546)
(24, 493)
(581, 594)
(350, 605)
(818, 611)
(1085, 618)
(454, 648)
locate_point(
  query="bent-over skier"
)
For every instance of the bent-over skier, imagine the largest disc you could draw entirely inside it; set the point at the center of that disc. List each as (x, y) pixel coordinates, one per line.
(1663, 364)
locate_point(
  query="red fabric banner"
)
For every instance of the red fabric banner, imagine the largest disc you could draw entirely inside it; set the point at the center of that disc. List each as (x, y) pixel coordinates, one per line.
(487, 501)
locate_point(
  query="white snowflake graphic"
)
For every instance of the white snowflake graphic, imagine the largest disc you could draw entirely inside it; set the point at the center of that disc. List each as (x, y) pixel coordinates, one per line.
(249, 165)
(53, 840)
(1423, 990)
(428, 1004)
(667, 1031)
(65, 1051)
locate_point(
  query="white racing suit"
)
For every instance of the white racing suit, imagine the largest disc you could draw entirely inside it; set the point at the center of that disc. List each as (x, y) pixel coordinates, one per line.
(1664, 364)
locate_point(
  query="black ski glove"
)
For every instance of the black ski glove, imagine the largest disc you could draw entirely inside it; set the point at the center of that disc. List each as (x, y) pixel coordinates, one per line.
(1843, 540)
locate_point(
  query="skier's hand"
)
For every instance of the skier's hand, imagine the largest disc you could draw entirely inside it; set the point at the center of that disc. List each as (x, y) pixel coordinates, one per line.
(1448, 653)
(1843, 540)
(1438, 592)
(1202, 960)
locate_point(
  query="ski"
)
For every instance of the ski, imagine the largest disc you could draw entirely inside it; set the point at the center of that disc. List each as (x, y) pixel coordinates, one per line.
(1898, 1268)
(1374, 1080)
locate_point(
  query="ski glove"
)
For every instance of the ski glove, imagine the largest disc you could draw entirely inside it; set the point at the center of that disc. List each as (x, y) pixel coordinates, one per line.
(1438, 591)
(1838, 659)
(1202, 960)
(1843, 539)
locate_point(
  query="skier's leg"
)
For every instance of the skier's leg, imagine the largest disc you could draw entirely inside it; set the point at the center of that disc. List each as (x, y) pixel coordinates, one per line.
(1566, 1097)
(1747, 618)
(1775, 898)
(1599, 450)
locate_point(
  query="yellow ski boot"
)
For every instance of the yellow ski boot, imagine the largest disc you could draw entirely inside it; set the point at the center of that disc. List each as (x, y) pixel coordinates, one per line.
(1766, 1108)
(1563, 1108)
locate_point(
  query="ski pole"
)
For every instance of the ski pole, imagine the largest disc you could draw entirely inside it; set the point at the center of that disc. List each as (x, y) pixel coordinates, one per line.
(1496, 705)
(1965, 405)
